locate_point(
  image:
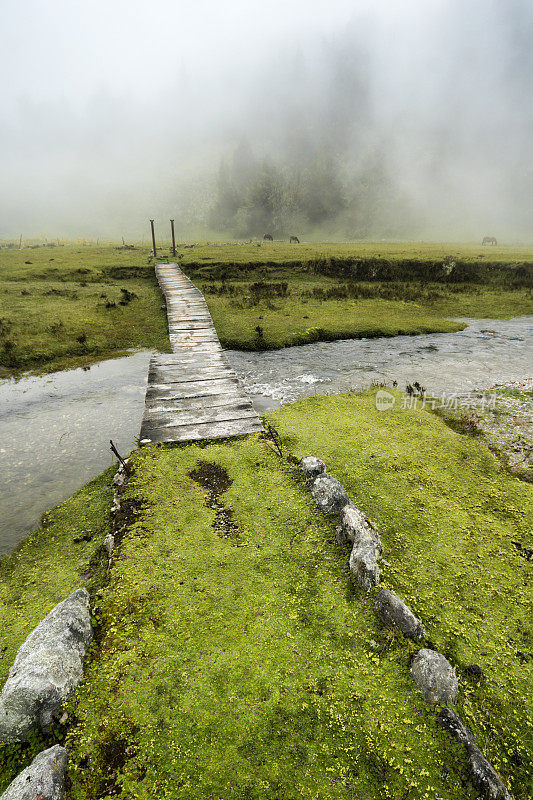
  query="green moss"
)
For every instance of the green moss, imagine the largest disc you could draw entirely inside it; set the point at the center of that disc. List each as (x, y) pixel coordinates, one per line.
(255, 667)
(252, 666)
(46, 567)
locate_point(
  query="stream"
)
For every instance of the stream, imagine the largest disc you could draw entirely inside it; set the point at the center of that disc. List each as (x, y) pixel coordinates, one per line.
(55, 429)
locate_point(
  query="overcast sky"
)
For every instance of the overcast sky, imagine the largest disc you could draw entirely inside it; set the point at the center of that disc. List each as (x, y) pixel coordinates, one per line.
(114, 111)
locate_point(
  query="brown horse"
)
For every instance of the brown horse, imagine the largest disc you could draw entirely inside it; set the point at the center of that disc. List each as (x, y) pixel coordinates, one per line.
(294, 240)
(268, 237)
(489, 240)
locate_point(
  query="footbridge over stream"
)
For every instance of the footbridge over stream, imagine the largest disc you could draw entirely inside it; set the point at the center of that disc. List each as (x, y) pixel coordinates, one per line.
(192, 393)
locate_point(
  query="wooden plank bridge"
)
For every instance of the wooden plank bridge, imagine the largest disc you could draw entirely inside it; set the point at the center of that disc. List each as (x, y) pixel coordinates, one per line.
(192, 393)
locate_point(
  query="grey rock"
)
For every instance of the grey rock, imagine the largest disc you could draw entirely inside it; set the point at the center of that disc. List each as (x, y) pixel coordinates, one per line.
(364, 561)
(44, 779)
(484, 776)
(47, 669)
(392, 611)
(352, 524)
(119, 479)
(312, 467)
(109, 544)
(435, 677)
(454, 725)
(329, 495)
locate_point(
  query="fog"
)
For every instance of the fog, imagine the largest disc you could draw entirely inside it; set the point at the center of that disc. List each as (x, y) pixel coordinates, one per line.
(387, 119)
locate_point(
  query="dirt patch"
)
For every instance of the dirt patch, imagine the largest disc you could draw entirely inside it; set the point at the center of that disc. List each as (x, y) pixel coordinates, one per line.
(215, 480)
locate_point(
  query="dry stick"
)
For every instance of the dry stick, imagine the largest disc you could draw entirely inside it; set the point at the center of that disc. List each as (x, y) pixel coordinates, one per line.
(115, 451)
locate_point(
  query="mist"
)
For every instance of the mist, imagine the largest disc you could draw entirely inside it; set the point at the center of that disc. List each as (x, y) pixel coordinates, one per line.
(343, 120)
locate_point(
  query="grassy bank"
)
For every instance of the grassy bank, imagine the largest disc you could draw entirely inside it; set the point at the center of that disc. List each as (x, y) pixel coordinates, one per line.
(71, 306)
(236, 657)
(46, 567)
(266, 315)
(243, 253)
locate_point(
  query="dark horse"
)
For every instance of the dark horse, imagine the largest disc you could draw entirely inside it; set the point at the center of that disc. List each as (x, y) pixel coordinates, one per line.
(294, 239)
(489, 240)
(268, 237)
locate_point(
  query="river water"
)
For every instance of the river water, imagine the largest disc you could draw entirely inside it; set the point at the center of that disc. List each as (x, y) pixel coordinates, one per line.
(55, 430)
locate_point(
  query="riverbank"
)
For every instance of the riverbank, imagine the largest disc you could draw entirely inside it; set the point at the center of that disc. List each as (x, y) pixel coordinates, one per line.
(65, 307)
(503, 419)
(235, 656)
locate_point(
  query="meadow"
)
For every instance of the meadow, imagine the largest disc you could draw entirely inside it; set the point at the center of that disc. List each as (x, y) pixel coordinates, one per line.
(249, 665)
(72, 305)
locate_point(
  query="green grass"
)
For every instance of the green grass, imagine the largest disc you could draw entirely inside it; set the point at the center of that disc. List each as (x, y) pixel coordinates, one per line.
(248, 320)
(73, 305)
(54, 315)
(46, 567)
(253, 667)
(283, 252)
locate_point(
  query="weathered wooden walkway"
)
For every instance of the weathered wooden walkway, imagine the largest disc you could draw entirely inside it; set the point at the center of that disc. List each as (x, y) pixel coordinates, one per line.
(192, 393)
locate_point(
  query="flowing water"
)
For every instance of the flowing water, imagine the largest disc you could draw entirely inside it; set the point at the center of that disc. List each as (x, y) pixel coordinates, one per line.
(55, 430)
(484, 354)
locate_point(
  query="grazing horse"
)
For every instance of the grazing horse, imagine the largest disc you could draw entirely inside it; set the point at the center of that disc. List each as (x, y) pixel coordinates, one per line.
(294, 239)
(489, 240)
(268, 237)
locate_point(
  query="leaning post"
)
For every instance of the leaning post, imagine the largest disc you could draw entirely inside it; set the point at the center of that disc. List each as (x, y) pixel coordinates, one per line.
(173, 238)
(153, 237)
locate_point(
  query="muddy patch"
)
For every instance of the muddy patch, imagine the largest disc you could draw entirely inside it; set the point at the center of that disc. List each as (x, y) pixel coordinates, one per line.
(215, 480)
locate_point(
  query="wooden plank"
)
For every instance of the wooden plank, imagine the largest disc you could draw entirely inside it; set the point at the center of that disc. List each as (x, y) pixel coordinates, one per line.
(191, 403)
(190, 433)
(192, 393)
(181, 418)
(192, 389)
(168, 375)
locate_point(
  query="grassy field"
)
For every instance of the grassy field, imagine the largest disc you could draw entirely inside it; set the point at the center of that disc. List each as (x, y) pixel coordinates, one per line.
(283, 252)
(252, 667)
(69, 306)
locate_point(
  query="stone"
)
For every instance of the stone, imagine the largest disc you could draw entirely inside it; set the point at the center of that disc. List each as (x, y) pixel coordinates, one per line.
(119, 479)
(47, 669)
(44, 779)
(452, 723)
(484, 777)
(364, 561)
(352, 524)
(329, 495)
(392, 611)
(312, 467)
(435, 677)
